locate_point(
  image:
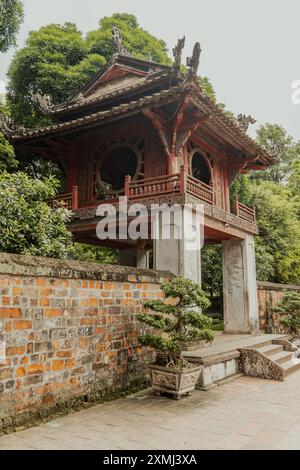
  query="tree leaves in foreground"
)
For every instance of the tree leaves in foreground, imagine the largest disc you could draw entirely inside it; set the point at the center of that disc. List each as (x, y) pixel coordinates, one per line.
(28, 225)
(11, 16)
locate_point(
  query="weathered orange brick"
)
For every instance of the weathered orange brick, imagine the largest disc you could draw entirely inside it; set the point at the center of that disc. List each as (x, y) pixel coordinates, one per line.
(57, 364)
(82, 342)
(5, 300)
(69, 363)
(8, 326)
(17, 291)
(24, 360)
(4, 282)
(107, 285)
(15, 350)
(20, 372)
(10, 312)
(44, 302)
(40, 282)
(52, 312)
(64, 353)
(22, 325)
(35, 369)
(46, 292)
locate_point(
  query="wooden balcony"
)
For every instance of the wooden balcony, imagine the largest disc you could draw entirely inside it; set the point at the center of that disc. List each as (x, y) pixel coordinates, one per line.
(178, 183)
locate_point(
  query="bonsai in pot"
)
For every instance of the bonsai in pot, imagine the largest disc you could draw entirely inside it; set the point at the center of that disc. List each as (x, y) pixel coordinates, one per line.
(175, 322)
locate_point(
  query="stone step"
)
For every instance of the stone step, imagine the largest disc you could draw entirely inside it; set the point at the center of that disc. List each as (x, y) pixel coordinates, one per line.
(282, 356)
(270, 349)
(290, 366)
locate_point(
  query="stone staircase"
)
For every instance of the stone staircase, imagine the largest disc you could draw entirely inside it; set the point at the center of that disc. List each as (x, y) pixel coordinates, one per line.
(273, 360)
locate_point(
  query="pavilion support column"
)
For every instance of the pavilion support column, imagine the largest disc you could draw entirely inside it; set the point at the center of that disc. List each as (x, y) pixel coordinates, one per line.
(175, 255)
(239, 286)
(135, 257)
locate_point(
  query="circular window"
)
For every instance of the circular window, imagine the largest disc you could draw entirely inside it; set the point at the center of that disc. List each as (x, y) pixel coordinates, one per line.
(200, 167)
(118, 162)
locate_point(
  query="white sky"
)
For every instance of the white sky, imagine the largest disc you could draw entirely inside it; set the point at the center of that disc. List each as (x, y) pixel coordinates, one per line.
(250, 48)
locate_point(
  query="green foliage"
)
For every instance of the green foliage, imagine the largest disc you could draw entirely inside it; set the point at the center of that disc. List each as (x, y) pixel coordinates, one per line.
(283, 149)
(279, 233)
(57, 60)
(54, 61)
(174, 321)
(11, 16)
(96, 254)
(136, 40)
(211, 266)
(289, 310)
(27, 224)
(7, 155)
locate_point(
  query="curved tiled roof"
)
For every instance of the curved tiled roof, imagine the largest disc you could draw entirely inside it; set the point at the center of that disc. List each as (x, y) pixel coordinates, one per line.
(219, 118)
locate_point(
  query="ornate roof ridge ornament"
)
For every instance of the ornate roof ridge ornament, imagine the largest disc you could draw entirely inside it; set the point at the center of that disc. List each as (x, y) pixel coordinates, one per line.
(44, 103)
(244, 121)
(193, 62)
(177, 54)
(117, 42)
(8, 126)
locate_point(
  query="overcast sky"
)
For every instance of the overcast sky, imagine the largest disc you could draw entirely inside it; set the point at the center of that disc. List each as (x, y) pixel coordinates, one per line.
(250, 48)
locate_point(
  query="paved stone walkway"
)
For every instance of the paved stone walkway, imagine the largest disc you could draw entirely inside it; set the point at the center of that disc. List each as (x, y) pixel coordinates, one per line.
(247, 413)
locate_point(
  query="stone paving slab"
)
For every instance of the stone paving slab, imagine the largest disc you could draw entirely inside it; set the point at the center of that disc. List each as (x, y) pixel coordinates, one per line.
(247, 413)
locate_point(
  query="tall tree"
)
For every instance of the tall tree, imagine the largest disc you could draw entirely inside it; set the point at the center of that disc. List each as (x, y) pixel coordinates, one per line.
(11, 16)
(282, 147)
(136, 40)
(57, 60)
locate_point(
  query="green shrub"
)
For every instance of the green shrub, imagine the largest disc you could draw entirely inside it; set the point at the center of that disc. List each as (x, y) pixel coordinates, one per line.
(289, 309)
(175, 323)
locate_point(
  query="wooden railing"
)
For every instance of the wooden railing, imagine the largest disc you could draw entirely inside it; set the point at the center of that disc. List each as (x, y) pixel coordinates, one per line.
(160, 185)
(199, 189)
(152, 186)
(242, 211)
(70, 200)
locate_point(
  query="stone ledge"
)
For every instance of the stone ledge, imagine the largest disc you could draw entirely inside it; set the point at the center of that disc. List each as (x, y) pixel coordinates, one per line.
(264, 285)
(26, 265)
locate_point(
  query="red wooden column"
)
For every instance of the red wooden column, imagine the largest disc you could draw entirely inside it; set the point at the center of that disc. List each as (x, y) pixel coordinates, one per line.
(235, 205)
(182, 179)
(75, 197)
(127, 184)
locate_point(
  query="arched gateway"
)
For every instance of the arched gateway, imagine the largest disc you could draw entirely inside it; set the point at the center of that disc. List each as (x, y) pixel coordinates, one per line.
(146, 131)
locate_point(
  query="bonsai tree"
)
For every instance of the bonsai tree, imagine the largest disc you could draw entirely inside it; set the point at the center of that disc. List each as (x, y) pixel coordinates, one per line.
(289, 309)
(175, 322)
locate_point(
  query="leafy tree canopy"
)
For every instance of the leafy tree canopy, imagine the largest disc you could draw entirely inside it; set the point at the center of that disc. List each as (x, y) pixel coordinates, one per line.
(58, 60)
(136, 40)
(7, 155)
(282, 147)
(28, 225)
(11, 16)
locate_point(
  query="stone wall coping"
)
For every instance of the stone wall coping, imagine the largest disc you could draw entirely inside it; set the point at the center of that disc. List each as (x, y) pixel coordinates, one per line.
(27, 265)
(264, 285)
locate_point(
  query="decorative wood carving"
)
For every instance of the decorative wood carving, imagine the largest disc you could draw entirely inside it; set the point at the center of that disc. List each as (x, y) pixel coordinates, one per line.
(244, 121)
(193, 62)
(177, 53)
(117, 42)
(44, 103)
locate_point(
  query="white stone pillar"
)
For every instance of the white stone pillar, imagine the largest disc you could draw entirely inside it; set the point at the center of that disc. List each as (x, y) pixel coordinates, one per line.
(239, 286)
(176, 254)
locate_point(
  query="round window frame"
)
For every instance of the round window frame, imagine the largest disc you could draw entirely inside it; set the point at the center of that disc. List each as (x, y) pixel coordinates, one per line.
(139, 163)
(210, 168)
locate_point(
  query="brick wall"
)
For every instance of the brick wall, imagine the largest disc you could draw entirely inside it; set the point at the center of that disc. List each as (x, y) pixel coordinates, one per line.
(269, 294)
(69, 329)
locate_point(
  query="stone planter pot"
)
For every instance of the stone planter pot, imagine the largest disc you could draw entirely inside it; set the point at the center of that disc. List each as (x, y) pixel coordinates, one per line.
(176, 382)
